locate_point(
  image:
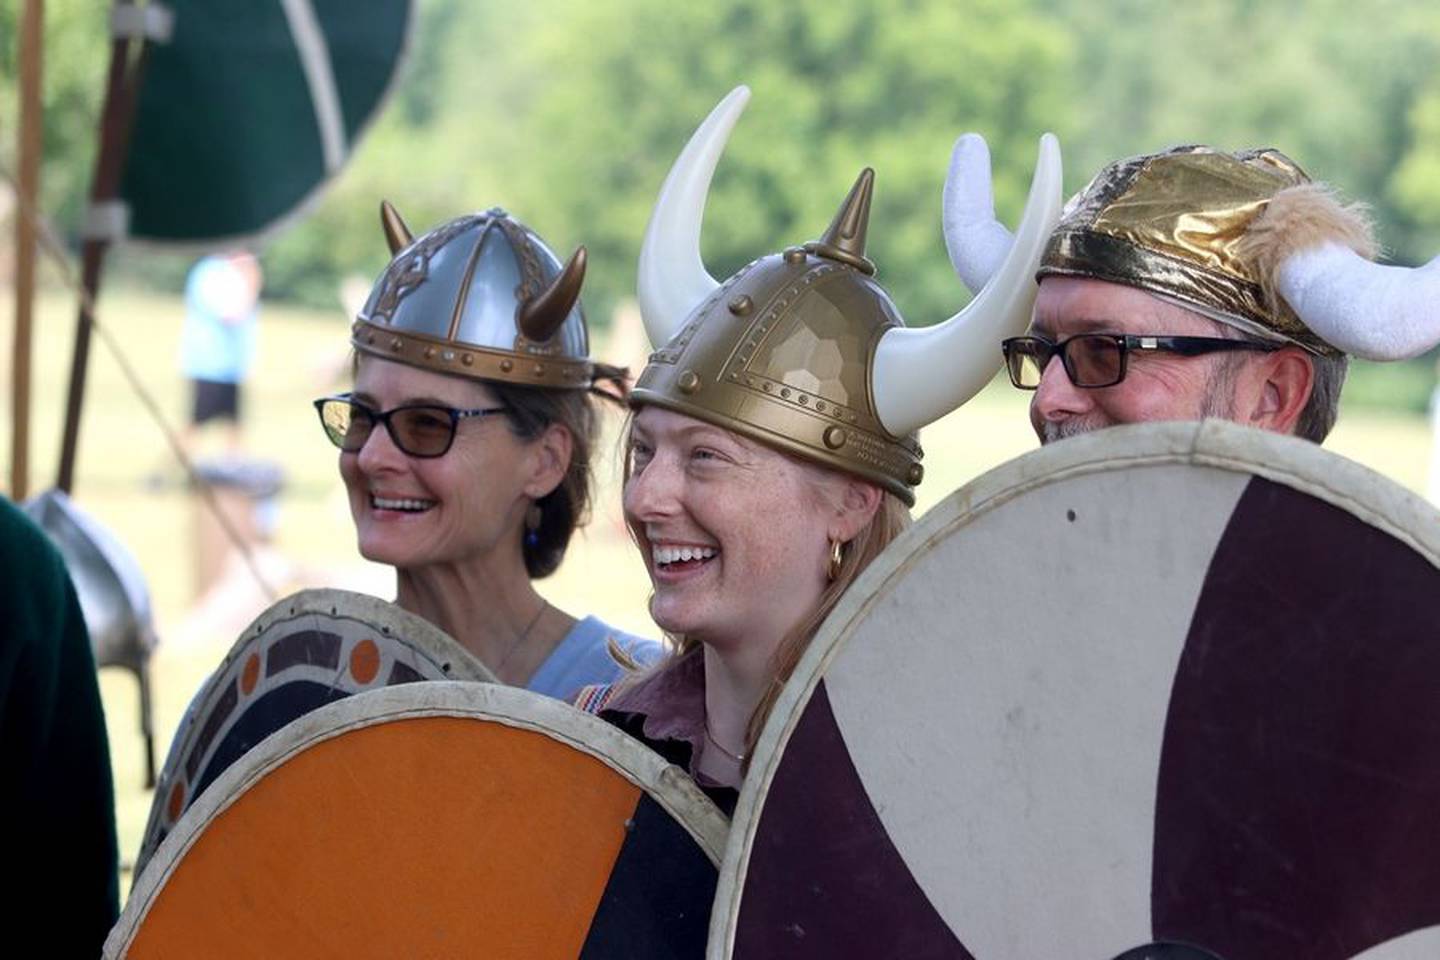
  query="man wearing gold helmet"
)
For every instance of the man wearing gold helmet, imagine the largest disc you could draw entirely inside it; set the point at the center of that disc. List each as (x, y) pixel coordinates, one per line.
(774, 448)
(1196, 283)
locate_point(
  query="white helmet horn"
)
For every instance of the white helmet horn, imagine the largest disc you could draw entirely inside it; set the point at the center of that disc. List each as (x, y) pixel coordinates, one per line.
(672, 278)
(922, 374)
(976, 241)
(1363, 308)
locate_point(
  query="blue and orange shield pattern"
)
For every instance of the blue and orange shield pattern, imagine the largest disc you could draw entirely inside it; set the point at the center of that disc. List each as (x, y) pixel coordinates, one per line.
(436, 819)
(307, 650)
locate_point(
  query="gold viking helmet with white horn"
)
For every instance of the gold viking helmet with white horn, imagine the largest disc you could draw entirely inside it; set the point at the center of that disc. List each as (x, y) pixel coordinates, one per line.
(1250, 240)
(803, 350)
(481, 297)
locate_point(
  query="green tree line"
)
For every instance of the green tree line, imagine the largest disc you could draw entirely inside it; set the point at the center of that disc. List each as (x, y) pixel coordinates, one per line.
(568, 113)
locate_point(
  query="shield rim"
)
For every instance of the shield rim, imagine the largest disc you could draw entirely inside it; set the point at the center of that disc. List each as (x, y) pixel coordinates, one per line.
(1299, 464)
(666, 783)
(326, 602)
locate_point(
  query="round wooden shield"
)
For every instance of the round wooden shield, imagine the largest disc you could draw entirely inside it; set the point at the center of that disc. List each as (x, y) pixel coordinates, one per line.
(1167, 691)
(307, 650)
(436, 819)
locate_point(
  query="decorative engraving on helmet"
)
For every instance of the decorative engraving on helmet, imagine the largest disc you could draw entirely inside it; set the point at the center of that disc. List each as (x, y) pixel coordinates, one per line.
(670, 353)
(532, 280)
(408, 271)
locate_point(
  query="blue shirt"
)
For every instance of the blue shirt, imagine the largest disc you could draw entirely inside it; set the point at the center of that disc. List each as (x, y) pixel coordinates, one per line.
(217, 341)
(583, 658)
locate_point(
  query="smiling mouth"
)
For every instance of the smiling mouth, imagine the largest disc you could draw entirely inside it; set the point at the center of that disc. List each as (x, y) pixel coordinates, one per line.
(400, 505)
(680, 559)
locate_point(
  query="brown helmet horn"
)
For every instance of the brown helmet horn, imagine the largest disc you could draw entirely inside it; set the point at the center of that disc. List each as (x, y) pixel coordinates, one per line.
(396, 233)
(541, 315)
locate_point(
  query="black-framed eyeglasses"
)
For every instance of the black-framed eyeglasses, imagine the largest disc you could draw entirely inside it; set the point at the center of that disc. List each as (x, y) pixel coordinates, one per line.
(1094, 360)
(417, 429)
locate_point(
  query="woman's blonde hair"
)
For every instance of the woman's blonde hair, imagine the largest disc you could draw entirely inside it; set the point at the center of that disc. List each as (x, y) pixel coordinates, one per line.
(890, 520)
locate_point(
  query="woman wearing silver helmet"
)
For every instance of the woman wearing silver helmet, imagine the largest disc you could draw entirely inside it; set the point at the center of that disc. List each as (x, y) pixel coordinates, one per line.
(773, 451)
(465, 444)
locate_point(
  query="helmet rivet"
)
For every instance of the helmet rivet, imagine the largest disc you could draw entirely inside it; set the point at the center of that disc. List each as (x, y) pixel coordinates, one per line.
(397, 344)
(804, 399)
(741, 305)
(448, 355)
(467, 359)
(819, 406)
(768, 386)
(785, 392)
(794, 255)
(370, 339)
(915, 474)
(689, 382)
(429, 353)
(834, 437)
(539, 369)
(507, 365)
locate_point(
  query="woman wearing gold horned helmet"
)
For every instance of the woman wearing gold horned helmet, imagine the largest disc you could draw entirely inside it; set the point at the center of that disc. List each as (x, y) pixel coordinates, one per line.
(465, 444)
(773, 450)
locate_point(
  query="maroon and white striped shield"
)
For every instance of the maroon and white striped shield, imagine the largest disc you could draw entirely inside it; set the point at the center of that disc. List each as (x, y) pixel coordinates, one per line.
(1167, 691)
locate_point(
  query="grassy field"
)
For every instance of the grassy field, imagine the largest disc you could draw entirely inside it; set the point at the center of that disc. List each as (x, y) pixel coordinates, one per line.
(127, 478)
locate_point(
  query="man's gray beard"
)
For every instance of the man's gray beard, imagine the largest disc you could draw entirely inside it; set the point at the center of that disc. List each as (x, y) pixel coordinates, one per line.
(1050, 432)
(1219, 401)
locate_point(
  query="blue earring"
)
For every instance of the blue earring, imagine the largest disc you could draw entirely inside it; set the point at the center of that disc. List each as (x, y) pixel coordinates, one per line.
(532, 525)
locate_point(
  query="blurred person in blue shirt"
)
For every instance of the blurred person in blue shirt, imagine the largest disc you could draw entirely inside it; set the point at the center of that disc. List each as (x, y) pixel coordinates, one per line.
(218, 340)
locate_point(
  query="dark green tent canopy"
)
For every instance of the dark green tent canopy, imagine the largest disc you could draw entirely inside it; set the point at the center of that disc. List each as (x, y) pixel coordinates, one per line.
(250, 107)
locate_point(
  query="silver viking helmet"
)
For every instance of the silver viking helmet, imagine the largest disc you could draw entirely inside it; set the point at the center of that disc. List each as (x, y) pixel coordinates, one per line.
(481, 297)
(803, 350)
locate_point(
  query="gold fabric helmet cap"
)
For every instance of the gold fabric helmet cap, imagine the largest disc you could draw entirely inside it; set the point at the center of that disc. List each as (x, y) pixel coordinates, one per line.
(1248, 239)
(480, 296)
(803, 350)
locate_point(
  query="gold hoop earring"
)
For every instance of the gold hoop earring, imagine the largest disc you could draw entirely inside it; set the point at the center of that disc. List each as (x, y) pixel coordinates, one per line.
(837, 557)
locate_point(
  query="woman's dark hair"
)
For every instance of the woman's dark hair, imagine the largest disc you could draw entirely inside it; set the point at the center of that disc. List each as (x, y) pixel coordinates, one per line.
(530, 411)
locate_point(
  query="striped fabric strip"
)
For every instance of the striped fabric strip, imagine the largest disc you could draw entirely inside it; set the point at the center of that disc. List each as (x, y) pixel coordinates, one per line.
(593, 697)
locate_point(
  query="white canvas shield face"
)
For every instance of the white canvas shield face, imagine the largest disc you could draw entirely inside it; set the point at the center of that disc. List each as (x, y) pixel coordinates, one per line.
(1160, 693)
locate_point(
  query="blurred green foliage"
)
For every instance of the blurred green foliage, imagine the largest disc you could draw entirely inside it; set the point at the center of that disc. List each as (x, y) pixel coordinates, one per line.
(74, 60)
(568, 113)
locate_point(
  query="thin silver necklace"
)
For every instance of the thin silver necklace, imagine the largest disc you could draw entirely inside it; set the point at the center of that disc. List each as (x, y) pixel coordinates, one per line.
(737, 757)
(520, 640)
